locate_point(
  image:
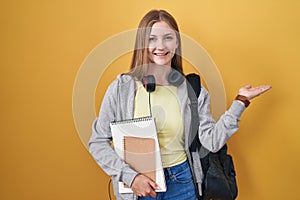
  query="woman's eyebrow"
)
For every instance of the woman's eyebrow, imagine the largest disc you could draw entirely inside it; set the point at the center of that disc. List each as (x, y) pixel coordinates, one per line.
(166, 34)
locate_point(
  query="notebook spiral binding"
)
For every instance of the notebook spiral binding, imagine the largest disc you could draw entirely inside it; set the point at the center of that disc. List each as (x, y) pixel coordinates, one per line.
(132, 120)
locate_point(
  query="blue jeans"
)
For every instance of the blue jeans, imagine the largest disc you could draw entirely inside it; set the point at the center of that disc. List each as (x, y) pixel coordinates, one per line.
(180, 185)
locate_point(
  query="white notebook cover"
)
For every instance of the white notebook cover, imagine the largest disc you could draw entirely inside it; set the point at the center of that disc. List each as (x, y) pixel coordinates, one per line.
(147, 151)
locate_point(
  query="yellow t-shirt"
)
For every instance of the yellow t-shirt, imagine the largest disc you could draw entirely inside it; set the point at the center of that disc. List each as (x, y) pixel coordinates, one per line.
(168, 118)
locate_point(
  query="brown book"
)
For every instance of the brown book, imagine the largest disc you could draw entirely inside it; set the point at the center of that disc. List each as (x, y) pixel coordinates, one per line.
(139, 153)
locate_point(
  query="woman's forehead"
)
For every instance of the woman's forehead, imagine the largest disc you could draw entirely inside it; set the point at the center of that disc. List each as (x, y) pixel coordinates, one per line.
(161, 28)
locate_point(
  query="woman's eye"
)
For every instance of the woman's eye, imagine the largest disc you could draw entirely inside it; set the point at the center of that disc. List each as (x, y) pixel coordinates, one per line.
(169, 38)
(152, 39)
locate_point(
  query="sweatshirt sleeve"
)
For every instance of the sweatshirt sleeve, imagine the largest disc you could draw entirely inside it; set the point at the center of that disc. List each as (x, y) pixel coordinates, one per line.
(214, 134)
(100, 142)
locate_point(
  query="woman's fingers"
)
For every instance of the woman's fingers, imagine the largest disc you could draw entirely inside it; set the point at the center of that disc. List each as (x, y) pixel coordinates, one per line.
(143, 186)
(251, 92)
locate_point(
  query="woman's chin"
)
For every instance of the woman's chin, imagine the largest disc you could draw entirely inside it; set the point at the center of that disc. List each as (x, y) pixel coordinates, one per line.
(162, 63)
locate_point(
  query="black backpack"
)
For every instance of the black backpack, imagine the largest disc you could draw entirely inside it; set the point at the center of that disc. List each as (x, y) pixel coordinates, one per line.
(219, 181)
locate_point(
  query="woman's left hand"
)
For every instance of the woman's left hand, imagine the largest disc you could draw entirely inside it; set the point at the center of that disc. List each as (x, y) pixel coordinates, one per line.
(251, 92)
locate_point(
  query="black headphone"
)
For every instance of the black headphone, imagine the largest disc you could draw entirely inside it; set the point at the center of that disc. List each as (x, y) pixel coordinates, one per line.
(175, 78)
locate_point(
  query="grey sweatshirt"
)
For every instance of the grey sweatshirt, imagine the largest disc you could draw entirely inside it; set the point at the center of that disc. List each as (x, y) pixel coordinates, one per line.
(118, 104)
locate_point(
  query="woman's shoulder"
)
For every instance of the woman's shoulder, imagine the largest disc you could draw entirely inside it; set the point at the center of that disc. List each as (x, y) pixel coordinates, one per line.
(122, 80)
(121, 85)
(204, 91)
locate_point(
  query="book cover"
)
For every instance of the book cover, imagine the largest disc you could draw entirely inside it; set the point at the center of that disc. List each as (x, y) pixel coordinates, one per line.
(136, 142)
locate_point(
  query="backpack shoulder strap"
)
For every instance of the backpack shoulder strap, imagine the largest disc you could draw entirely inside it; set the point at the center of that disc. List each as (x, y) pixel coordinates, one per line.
(194, 89)
(195, 82)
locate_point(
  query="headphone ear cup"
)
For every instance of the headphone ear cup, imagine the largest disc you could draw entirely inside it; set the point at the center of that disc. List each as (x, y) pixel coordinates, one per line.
(149, 83)
(175, 78)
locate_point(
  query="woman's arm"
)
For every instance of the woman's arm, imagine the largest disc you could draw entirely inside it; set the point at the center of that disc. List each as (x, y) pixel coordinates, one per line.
(100, 141)
(214, 134)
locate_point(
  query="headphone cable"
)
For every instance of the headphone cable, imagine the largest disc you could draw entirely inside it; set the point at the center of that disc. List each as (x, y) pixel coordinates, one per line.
(109, 183)
(150, 105)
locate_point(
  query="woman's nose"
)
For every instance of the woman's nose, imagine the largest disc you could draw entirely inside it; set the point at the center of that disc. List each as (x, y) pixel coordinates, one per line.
(160, 44)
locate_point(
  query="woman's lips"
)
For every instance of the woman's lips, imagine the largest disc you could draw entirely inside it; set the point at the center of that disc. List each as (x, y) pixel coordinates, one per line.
(161, 54)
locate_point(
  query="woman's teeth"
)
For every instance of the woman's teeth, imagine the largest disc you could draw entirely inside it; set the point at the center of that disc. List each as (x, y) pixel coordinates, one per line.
(160, 54)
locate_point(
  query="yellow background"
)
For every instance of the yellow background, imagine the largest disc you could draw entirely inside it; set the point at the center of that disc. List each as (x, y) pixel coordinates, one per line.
(43, 44)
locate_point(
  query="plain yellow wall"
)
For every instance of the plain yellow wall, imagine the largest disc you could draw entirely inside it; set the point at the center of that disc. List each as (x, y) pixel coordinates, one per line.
(43, 44)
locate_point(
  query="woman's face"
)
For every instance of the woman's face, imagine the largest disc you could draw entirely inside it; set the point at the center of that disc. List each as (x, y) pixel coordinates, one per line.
(162, 44)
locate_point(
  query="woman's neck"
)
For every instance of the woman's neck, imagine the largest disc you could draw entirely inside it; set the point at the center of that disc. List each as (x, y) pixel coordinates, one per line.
(160, 73)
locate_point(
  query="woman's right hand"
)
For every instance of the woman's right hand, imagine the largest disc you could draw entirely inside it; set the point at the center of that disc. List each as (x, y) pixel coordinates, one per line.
(143, 186)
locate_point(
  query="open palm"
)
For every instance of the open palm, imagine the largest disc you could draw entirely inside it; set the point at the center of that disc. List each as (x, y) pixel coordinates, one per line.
(252, 92)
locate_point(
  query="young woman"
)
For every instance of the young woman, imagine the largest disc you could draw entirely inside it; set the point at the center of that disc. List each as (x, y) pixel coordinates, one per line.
(158, 52)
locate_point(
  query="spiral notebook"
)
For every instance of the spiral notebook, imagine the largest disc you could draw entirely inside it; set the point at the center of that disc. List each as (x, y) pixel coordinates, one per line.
(136, 142)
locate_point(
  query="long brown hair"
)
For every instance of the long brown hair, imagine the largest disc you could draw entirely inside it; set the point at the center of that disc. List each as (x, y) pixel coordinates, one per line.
(140, 60)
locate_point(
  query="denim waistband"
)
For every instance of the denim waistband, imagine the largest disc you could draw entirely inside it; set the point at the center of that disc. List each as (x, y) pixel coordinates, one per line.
(177, 168)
